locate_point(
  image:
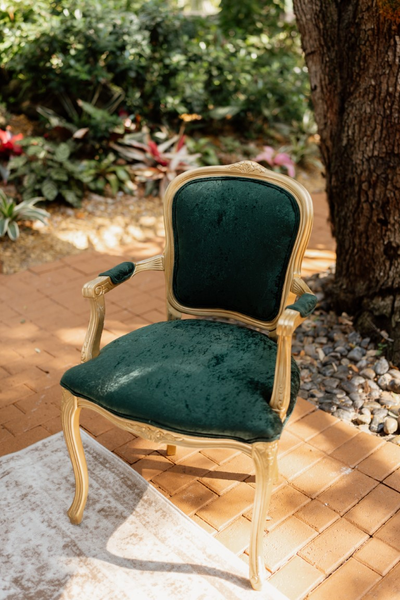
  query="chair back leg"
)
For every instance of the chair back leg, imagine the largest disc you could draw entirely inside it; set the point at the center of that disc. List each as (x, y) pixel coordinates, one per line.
(70, 422)
(264, 457)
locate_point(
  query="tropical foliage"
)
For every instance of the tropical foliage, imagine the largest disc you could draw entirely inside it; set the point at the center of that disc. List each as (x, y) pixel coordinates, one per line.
(54, 171)
(107, 82)
(11, 212)
(153, 60)
(156, 164)
(46, 169)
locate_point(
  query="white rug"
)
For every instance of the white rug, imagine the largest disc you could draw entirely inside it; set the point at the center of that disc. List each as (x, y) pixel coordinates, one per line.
(132, 543)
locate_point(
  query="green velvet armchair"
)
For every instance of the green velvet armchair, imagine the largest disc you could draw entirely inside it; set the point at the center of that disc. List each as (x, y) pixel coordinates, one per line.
(235, 239)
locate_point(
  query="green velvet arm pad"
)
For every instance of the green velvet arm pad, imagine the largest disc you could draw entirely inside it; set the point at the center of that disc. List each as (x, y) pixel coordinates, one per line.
(120, 273)
(305, 305)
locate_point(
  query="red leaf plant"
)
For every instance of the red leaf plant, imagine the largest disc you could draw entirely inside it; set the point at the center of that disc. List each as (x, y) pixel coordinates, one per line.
(8, 145)
(156, 164)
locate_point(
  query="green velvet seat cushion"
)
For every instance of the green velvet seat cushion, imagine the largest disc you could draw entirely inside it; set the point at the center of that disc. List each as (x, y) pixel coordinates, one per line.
(233, 239)
(194, 377)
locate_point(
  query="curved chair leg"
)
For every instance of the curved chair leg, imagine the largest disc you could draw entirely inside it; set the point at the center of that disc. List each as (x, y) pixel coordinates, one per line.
(264, 456)
(70, 422)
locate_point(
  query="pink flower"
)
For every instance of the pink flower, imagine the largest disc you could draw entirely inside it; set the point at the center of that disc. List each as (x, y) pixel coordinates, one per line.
(280, 159)
(267, 156)
(283, 160)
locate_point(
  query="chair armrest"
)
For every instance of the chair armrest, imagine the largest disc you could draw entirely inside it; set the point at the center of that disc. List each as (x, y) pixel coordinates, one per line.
(305, 305)
(95, 291)
(110, 279)
(120, 273)
(291, 318)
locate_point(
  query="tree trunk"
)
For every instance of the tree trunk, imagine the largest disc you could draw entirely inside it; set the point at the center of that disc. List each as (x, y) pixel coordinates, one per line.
(352, 53)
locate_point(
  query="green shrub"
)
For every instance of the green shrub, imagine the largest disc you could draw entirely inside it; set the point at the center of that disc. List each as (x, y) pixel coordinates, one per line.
(98, 173)
(53, 171)
(46, 169)
(205, 148)
(70, 50)
(152, 60)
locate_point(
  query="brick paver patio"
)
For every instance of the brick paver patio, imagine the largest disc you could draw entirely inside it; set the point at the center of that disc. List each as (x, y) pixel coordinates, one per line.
(334, 530)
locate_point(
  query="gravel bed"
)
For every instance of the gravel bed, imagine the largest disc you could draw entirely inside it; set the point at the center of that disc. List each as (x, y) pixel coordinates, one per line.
(345, 374)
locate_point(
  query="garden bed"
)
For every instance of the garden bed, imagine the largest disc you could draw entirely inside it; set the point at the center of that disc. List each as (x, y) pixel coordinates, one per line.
(100, 224)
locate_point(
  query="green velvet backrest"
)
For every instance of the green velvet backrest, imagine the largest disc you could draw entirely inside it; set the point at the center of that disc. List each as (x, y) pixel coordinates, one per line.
(233, 239)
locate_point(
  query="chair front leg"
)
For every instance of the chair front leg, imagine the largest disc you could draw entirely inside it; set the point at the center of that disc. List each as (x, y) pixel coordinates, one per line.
(172, 315)
(70, 421)
(264, 457)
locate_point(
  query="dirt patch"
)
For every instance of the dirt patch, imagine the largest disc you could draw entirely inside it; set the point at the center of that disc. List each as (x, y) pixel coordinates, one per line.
(101, 224)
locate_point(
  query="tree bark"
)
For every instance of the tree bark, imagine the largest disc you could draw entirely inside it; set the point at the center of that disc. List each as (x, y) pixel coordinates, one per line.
(352, 53)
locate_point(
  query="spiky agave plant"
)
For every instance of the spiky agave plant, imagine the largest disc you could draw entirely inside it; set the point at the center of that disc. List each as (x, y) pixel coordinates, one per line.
(11, 212)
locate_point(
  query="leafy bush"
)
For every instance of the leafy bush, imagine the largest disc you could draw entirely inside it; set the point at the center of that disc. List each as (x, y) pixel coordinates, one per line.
(11, 212)
(206, 150)
(47, 169)
(98, 173)
(67, 50)
(152, 60)
(253, 74)
(52, 170)
(300, 141)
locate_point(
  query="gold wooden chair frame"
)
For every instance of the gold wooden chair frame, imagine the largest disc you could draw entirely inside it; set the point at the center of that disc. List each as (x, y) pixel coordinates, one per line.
(264, 454)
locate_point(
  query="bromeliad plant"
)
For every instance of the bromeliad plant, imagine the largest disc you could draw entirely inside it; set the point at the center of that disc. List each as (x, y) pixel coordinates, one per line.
(155, 165)
(11, 212)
